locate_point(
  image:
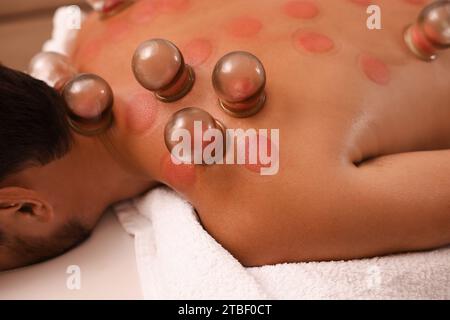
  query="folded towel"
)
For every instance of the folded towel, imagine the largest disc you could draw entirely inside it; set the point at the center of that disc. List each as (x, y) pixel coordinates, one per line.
(66, 25)
(178, 259)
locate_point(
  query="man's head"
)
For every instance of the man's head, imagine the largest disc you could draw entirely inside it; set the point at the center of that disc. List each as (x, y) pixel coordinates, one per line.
(34, 139)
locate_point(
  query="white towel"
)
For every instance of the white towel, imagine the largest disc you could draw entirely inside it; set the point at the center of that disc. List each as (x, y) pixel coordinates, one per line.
(178, 259)
(67, 21)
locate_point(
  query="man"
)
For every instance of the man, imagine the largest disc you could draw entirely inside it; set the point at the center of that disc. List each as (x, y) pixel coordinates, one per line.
(53, 185)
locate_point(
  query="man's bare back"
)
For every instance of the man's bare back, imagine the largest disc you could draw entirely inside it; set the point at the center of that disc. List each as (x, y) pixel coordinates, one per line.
(364, 133)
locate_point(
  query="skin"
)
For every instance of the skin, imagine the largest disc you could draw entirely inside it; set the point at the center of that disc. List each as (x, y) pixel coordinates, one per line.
(364, 130)
(79, 186)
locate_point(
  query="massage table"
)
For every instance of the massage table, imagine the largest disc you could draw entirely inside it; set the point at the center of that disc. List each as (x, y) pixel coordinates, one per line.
(107, 270)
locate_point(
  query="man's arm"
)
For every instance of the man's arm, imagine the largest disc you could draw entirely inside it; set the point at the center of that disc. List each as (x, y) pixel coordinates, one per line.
(392, 204)
(402, 203)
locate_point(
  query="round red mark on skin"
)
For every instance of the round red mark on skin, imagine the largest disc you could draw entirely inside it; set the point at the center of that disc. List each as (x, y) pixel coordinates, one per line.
(420, 40)
(253, 148)
(141, 112)
(197, 51)
(244, 27)
(145, 10)
(313, 42)
(180, 176)
(241, 89)
(375, 69)
(301, 9)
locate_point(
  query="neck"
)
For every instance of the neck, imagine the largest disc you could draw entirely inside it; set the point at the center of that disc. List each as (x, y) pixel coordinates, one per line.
(97, 180)
(111, 180)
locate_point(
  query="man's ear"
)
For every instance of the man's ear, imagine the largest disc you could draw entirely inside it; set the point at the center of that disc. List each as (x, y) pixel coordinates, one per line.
(19, 203)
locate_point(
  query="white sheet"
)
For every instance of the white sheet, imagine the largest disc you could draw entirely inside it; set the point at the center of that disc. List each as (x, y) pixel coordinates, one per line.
(177, 259)
(106, 261)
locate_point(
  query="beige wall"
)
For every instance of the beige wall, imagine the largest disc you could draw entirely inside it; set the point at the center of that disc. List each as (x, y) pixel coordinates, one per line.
(25, 6)
(24, 26)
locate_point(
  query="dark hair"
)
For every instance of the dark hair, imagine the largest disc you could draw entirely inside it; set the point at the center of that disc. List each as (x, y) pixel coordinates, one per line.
(33, 126)
(33, 131)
